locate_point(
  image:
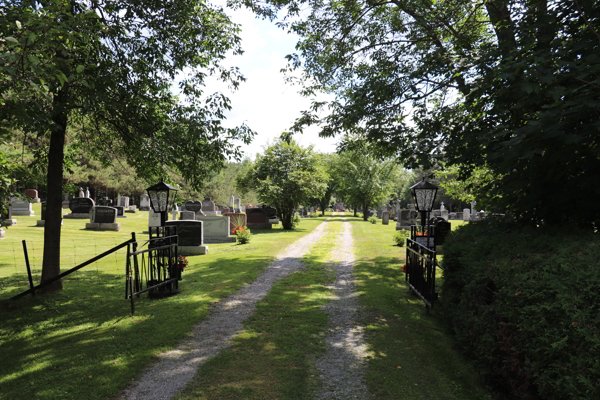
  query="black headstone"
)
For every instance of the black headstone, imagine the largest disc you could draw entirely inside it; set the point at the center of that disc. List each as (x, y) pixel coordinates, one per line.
(194, 206)
(104, 215)
(190, 232)
(81, 205)
(441, 231)
(270, 211)
(119, 211)
(257, 216)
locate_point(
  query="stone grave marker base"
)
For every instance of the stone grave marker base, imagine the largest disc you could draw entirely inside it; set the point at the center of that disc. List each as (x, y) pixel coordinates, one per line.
(192, 250)
(23, 212)
(102, 226)
(77, 216)
(9, 222)
(219, 239)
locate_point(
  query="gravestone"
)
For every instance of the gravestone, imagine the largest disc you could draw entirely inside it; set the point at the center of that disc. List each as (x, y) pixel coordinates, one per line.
(385, 218)
(81, 193)
(216, 228)
(33, 195)
(187, 215)
(20, 207)
(153, 218)
(120, 212)
(441, 229)
(466, 214)
(144, 202)
(445, 214)
(442, 206)
(87, 192)
(66, 201)
(123, 202)
(258, 219)
(190, 237)
(231, 201)
(80, 208)
(42, 220)
(103, 218)
(238, 204)
(174, 213)
(132, 209)
(208, 205)
(406, 219)
(9, 218)
(195, 206)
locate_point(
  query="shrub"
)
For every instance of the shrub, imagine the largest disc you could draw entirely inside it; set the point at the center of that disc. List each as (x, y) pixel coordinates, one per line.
(296, 221)
(524, 303)
(400, 237)
(373, 219)
(243, 234)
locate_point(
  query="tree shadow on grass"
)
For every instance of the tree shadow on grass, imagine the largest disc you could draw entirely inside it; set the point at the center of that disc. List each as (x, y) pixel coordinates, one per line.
(82, 342)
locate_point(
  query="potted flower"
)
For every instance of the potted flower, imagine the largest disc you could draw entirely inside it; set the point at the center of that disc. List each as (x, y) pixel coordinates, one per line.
(182, 264)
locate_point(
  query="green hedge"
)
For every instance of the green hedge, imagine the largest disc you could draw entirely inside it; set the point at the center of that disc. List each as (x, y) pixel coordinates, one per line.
(524, 303)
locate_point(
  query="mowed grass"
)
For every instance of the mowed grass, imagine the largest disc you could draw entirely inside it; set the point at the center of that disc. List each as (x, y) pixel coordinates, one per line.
(272, 357)
(412, 356)
(82, 343)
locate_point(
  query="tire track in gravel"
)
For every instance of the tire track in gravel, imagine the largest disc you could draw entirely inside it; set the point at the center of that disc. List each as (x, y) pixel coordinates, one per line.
(175, 368)
(342, 367)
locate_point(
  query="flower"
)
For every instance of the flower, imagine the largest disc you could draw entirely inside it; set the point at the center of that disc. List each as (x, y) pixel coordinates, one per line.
(182, 262)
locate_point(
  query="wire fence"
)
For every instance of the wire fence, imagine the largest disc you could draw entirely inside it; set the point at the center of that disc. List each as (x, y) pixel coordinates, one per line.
(13, 271)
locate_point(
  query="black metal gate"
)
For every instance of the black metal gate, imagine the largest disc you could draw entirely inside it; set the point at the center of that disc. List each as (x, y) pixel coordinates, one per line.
(420, 267)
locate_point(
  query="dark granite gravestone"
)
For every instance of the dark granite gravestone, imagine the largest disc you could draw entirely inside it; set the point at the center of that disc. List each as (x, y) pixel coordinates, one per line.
(190, 232)
(208, 204)
(270, 211)
(104, 215)
(194, 206)
(81, 205)
(441, 231)
(120, 211)
(257, 216)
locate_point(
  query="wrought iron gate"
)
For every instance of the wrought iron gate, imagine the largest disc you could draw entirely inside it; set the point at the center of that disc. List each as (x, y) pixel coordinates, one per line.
(420, 268)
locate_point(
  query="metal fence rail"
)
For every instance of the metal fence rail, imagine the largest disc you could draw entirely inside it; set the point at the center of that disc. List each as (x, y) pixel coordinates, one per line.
(420, 271)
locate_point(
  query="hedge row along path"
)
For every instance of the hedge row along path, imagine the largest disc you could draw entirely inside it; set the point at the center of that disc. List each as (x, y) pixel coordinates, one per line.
(342, 367)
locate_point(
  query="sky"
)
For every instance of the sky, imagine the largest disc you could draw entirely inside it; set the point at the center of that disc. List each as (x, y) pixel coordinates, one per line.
(265, 102)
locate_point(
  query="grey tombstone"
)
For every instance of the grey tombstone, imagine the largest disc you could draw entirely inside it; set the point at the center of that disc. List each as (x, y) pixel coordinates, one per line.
(144, 202)
(445, 214)
(124, 202)
(216, 228)
(81, 194)
(231, 201)
(466, 214)
(208, 204)
(65, 203)
(187, 215)
(238, 205)
(385, 216)
(20, 207)
(442, 206)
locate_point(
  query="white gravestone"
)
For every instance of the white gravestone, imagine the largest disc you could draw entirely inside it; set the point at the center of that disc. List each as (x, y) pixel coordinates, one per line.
(124, 202)
(153, 219)
(20, 207)
(466, 214)
(231, 201)
(144, 202)
(216, 228)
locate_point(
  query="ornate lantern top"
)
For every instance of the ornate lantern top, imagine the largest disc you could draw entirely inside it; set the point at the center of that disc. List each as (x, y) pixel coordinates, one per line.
(424, 195)
(161, 196)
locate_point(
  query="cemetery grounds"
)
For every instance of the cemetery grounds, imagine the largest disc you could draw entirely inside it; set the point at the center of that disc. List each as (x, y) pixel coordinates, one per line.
(82, 343)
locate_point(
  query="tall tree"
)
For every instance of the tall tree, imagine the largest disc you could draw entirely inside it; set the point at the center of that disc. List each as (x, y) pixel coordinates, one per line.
(285, 176)
(110, 66)
(364, 179)
(508, 85)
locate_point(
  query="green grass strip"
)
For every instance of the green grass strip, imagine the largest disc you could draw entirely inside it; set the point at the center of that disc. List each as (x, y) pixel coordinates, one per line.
(82, 343)
(271, 358)
(412, 357)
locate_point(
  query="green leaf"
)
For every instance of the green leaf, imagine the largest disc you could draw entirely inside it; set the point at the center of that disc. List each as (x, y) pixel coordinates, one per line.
(33, 59)
(80, 68)
(11, 39)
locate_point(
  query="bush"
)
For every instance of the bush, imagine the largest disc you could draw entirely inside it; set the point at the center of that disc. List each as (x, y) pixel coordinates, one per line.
(373, 219)
(296, 221)
(243, 234)
(400, 237)
(524, 303)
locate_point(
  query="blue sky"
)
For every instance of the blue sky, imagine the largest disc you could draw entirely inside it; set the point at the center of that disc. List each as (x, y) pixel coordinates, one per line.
(265, 102)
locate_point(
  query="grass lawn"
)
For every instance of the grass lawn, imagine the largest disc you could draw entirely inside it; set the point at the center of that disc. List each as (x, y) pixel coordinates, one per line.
(82, 343)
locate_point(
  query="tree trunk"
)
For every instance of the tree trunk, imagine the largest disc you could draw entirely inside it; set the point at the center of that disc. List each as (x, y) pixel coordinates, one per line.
(355, 207)
(52, 227)
(365, 211)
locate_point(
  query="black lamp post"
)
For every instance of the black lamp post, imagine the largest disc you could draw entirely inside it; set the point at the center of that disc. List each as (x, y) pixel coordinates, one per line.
(162, 196)
(424, 195)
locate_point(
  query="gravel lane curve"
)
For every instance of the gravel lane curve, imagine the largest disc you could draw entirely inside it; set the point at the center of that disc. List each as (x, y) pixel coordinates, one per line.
(342, 367)
(175, 368)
